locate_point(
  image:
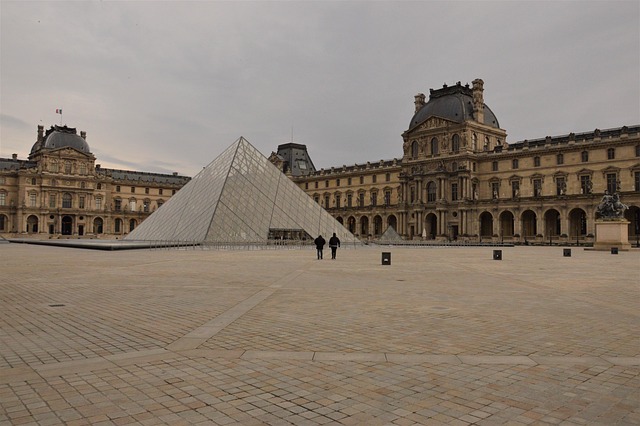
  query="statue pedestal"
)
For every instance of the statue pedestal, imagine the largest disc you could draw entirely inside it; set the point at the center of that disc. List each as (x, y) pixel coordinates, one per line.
(612, 233)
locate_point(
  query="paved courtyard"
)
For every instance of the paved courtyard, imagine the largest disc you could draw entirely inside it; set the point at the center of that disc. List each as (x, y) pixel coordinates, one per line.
(441, 336)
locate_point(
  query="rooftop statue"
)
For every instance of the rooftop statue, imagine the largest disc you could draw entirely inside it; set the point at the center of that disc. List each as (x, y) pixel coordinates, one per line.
(611, 208)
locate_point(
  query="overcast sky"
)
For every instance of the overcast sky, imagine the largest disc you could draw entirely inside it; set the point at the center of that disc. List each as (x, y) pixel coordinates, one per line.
(166, 86)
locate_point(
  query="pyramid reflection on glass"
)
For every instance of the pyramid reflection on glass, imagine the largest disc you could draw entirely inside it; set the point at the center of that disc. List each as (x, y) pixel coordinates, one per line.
(239, 198)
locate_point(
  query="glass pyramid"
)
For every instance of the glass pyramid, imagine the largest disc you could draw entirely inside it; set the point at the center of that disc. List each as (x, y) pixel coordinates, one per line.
(240, 197)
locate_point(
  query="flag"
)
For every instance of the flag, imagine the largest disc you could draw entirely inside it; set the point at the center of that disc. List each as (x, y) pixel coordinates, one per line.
(59, 111)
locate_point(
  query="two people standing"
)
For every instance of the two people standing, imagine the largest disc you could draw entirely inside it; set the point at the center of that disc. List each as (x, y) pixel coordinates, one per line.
(334, 243)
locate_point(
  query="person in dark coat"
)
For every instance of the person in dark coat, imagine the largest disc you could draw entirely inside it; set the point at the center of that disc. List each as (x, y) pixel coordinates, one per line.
(334, 243)
(319, 245)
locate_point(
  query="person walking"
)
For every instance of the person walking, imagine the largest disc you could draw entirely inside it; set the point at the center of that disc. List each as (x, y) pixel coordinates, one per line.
(319, 245)
(334, 243)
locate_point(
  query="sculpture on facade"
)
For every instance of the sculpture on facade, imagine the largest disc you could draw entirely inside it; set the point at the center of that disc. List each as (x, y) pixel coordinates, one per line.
(611, 207)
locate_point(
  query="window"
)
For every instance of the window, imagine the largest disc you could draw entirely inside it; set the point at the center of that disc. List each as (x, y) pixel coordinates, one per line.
(434, 146)
(612, 182)
(387, 198)
(81, 201)
(537, 187)
(514, 163)
(67, 167)
(585, 184)
(146, 190)
(454, 192)
(118, 188)
(349, 181)
(474, 190)
(495, 190)
(611, 154)
(455, 143)
(474, 142)
(145, 206)
(326, 183)
(83, 169)
(337, 182)
(33, 181)
(118, 226)
(536, 161)
(374, 199)
(99, 186)
(474, 167)
(361, 180)
(361, 199)
(117, 205)
(3, 222)
(54, 167)
(316, 199)
(66, 200)
(414, 149)
(561, 185)
(636, 181)
(132, 205)
(515, 189)
(306, 185)
(52, 201)
(374, 178)
(387, 177)
(173, 192)
(3, 198)
(32, 199)
(584, 156)
(338, 197)
(560, 159)
(486, 143)
(349, 200)
(431, 192)
(326, 201)
(98, 203)
(160, 190)
(160, 202)
(133, 189)
(637, 152)
(494, 166)
(83, 185)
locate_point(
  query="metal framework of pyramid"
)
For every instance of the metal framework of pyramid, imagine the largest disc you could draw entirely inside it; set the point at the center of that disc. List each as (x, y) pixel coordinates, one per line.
(240, 197)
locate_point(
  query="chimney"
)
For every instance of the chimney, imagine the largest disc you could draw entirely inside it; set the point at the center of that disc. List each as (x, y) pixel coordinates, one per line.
(419, 102)
(478, 100)
(14, 156)
(40, 133)
(83, 135)
(175, 173)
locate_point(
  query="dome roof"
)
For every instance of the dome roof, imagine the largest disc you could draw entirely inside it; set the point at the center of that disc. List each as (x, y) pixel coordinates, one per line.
(62, 137)
(453, 103)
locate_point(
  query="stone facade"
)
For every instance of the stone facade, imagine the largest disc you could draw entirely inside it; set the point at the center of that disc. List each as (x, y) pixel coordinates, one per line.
(59, 192)
(459, 179)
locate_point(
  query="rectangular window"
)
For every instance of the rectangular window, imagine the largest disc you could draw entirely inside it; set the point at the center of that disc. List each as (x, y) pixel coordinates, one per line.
(561, 186)
(494, 166)
(32, 200)
(585, 184)
(145, 206)
(537, 187)
(66, 201)
(133, 189)
(326, 201)
(636, 182)
(160, 191)
(374, 199)
(374, 178)
(117, 188)
(316, 182)
(83, 169)
(67, 167)
(611, 154)
(98, 203)
(81, 202)
(387, 177)
(316, 199)
(349, 181)
(361, 180)
(118, 205)
(52, 201)
(337, 182)
(584, 156)
(612, 183)
(559, 159)
(326, 183)
(514, 163)
(454, 192)
(132, 205)
(306, 185)
(536, 161)
(146, 190)
(3, 199)
(387, 198)
(338, 201)
(349, 200)
(515, 189)
(361, 199)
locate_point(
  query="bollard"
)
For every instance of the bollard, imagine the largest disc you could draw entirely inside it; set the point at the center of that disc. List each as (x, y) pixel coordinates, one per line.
(614, 250)
(386, 258)
(497, 255)
(566, 252)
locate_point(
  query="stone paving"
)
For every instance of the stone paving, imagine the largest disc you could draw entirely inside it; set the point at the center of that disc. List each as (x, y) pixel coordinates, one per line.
(276, 337)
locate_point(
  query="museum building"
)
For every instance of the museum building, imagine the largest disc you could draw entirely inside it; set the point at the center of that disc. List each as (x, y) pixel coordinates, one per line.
(459, 179)
(61, 191)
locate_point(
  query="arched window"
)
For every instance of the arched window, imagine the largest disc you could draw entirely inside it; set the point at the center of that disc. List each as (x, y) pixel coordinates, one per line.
(414, 149)
(455, 143)
(3, 198)
(3, 222)
(434, 146)
(118, 226)
(132, 225)
(474, 142)
(66, 200)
